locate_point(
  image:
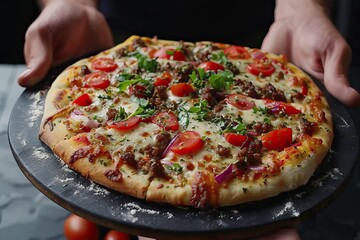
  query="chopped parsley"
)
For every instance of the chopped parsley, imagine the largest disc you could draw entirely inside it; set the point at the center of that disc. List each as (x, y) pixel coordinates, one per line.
(144, 110)
(201, 109)
(262, 110)
(175, 168)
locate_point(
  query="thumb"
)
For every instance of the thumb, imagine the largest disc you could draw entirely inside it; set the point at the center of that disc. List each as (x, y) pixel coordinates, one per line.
(38, 56)
(336, 66)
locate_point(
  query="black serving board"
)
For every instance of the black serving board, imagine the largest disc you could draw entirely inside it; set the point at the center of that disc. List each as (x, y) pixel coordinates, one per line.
(135, 216)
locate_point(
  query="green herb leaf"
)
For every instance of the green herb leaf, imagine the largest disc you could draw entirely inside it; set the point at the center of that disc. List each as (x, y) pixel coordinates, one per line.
(221, 80)
(201, 109)
(219, 57)
(145, 63)
(175, 168)
(122, 114)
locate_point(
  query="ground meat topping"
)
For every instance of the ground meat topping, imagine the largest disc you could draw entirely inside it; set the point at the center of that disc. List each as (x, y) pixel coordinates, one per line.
(250, 156)
(129, 159)
(223, 151)
(307, 126)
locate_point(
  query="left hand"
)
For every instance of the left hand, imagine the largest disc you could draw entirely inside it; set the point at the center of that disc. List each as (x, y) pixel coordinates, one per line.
(312, 42)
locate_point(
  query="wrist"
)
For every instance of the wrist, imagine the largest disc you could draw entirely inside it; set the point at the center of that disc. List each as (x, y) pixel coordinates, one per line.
(291, 8)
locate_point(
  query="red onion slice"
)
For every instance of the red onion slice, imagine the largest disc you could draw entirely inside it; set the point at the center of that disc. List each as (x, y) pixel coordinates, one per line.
(91, 123)
(221, 177)
(258, 55)
(167, 149)
(252, 133)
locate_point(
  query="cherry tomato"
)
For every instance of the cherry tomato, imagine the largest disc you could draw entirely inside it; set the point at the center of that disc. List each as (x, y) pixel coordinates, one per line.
(78, 228)
(266, 69)
(97, 80)
(116, 235)
(277, 106)
(166, 120)
(169, 53)
(138, 90)
(211, 66)
(236, 52)
(104, 64)
(164, 80)
(181, 89)
(127, 125)
(277, 139)
(240, 101)
(237, 139)
(83, 100)
(187, 142)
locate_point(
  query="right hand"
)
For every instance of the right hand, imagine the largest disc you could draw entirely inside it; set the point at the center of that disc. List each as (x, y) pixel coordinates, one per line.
(65, 29)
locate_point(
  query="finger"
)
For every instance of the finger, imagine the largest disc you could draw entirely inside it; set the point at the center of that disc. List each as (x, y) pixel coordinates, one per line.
(336, 66)
(38, 56)
(271, 41)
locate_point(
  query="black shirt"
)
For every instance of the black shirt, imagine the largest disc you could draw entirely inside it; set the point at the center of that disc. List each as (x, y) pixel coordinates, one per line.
(237, 22)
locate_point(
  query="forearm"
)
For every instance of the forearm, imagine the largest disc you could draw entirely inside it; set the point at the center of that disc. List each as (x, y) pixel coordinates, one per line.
(288, 8)
(92, 3)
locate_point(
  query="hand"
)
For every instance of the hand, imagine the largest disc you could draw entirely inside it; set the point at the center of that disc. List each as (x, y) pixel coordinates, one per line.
(283, 234)
(65, 29)
(311, 41)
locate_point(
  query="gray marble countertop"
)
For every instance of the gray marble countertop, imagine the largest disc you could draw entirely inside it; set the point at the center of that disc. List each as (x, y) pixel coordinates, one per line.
(26, 214)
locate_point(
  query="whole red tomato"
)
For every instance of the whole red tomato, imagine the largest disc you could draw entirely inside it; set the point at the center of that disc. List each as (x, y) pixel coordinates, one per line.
(78, 228)
(115, 235)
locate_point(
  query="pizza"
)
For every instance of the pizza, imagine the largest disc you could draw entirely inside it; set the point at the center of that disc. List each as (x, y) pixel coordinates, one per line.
(202, 124)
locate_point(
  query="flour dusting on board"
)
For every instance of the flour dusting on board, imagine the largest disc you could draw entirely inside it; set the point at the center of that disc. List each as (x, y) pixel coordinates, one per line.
(288, 208)
(36, 108)
(40, 153)
(131, 211)
(334, 174)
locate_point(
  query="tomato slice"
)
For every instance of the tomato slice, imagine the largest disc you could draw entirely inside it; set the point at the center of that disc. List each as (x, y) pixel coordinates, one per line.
(240, 102)
(237, 139)
(278, 106)
(169, 53)
(166, 120)
(181, 89)
(211, 66)
(236, 52)
(104, 64)
(127, 125)
(97, 80)
(277, 139)
(187, 142)
(266, 69)
(164, 80)
(138, 90)
(83, 100)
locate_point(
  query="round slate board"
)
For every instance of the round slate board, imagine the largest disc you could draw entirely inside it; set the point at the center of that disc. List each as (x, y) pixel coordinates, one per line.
(136, 216)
